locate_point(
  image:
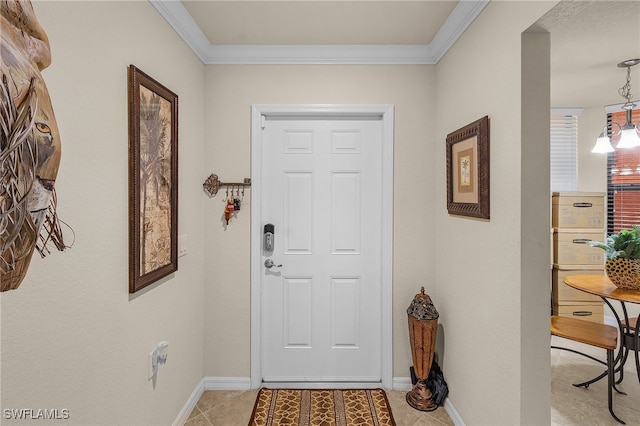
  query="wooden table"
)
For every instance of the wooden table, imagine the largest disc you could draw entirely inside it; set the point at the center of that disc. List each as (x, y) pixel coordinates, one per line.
(600, 285)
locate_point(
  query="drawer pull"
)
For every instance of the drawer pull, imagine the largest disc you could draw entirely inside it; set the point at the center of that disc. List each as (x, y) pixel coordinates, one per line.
(581, 240)
(582, 313)
(583, 204)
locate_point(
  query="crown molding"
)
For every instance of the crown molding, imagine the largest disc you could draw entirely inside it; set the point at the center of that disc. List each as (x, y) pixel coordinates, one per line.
(176, 15)
(318, 54)
(461, 17)
(183, 23)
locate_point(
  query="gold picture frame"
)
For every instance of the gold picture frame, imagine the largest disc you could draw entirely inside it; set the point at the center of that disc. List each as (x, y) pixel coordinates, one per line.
(153, 180)
(468, 170)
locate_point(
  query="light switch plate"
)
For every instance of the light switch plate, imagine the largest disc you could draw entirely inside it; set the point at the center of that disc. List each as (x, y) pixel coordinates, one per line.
(151, 372)
(182, 245)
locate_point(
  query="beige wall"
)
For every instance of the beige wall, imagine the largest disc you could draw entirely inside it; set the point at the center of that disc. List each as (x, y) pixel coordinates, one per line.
(479, 282)
(231, 90)
(72, 336)
(479, 76)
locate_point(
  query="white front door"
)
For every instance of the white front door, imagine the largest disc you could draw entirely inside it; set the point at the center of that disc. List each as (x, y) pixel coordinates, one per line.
(321, 187)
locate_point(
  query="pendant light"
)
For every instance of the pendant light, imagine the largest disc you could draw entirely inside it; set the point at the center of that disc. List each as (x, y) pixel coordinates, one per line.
(603, 143)
(629, 136)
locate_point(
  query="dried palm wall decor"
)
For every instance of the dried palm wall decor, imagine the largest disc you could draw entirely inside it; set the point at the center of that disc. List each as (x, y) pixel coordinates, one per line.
(153, 180)
(29, 145)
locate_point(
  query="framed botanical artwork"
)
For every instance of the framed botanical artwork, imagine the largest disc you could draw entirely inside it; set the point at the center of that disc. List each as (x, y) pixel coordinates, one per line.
(468, 170)
(153, 180)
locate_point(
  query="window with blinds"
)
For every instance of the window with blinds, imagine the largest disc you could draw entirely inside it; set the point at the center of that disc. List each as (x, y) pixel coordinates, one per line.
(623, 178)
(564, 150)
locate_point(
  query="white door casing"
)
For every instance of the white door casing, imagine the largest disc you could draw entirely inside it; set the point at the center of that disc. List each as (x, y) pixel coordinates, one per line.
(325, 316)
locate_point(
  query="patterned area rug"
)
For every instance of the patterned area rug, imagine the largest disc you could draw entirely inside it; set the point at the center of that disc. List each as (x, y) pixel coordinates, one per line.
(326, 407)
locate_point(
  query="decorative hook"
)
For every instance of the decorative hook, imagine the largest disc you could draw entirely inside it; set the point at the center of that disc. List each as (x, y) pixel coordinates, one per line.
(213, 184)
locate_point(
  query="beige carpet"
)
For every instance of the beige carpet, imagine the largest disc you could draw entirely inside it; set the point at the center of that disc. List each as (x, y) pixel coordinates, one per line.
(339, 407)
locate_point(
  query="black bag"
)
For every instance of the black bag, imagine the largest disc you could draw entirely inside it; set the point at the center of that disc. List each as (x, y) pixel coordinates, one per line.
(436, 384)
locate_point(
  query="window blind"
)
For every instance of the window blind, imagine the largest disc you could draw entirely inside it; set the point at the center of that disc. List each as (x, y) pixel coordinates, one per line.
(564, 151)
(623, 178)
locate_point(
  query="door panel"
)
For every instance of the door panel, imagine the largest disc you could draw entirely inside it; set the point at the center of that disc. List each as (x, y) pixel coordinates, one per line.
(297, 312)
(298, 211)
(345, 213)
(346, 313)
(322, 309)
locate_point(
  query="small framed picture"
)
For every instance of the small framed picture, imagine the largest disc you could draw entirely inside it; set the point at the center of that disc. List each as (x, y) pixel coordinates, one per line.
(468, 170)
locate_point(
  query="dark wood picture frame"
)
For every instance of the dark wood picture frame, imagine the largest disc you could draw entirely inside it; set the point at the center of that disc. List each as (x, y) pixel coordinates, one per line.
(468, 170)
(153, 180)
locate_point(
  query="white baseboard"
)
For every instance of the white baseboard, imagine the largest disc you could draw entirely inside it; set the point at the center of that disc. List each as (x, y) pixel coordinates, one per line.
(244, 383)
(404, 384)
(227, 383)
(189, 405)
(453, 413)
(210, 383)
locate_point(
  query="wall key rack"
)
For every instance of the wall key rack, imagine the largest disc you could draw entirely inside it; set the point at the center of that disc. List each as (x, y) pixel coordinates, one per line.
(232, 202)
(213, 184)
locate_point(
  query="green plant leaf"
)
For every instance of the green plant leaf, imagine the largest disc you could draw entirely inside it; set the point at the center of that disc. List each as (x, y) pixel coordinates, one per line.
(625, 244)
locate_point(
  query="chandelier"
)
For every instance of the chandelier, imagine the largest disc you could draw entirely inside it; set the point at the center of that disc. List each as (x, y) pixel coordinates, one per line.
(629, 137)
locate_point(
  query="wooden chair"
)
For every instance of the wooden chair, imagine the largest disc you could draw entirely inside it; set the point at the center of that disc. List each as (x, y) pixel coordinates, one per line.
(594, 334)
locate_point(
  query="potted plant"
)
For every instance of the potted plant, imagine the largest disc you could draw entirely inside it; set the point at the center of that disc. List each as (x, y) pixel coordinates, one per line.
(622, 251)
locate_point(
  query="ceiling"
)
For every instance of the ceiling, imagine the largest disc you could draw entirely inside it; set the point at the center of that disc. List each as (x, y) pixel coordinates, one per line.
(319, 22)
(588, 38)
(319, 31)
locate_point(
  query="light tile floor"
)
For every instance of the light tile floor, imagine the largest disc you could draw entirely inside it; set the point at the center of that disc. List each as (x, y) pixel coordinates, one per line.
(570, 406)
(233, 408)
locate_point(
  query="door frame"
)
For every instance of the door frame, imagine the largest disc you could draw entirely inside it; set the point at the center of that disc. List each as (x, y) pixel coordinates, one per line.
(386, 114)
